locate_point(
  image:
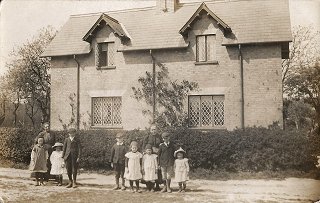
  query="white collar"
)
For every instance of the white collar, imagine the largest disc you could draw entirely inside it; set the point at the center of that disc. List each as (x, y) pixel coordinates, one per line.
(119, 143)
(71, 138)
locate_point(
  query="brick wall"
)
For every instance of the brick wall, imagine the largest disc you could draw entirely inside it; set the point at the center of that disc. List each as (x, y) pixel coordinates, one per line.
(262, 80)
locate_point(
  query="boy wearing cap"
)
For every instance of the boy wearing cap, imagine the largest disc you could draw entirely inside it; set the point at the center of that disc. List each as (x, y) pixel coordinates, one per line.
(117, 160)
(166, 160)
(71, 154)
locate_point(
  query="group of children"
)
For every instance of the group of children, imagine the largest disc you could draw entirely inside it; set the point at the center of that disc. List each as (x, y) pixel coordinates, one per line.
(64, 156)
(133, 165)
(136, 166)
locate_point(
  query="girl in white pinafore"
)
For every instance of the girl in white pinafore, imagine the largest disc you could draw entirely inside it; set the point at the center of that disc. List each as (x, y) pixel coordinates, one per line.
(133, 166)
(181, 169)
(149, 168)
(57, 167)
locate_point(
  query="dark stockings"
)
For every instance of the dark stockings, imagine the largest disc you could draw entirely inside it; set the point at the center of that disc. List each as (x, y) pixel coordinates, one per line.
(39, 176)
(150, 186)
(59, 179)
(182, 186)
(137, 183)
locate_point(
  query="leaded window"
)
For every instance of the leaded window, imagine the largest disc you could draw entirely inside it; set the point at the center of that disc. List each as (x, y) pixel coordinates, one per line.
(206, 48)
(105, 53)
(206, 111)
(106, 111)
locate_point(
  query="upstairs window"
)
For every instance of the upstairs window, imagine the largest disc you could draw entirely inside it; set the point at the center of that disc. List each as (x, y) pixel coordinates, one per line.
(105, 54)
(206, 48)
(206, 111)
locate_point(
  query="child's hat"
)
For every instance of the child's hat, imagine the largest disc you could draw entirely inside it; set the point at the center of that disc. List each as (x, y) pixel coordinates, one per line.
(72, 130)
(180, 150)
(148, 146)
(119, 135)
(165, 135)
(45, 124)
(57, 144)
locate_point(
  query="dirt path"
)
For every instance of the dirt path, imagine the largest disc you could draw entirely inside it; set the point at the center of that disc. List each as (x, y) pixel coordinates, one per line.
(16, 186)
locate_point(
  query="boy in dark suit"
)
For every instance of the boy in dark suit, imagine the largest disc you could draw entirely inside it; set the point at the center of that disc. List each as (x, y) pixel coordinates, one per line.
(117, 160)
(71, 154)
(166, 160)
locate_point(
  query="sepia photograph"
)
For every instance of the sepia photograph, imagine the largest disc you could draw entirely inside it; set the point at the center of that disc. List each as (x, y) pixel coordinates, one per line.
(199, 101)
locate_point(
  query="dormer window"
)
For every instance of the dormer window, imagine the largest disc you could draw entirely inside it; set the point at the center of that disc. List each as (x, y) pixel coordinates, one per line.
(206, 48)
(105, 54)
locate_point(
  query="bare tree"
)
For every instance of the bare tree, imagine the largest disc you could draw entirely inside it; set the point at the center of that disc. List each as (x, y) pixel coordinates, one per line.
(28, 76)
(2, 102)
(301, 72)
(303, 51)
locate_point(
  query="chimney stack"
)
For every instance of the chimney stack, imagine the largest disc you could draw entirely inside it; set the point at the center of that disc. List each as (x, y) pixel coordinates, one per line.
(167, 6)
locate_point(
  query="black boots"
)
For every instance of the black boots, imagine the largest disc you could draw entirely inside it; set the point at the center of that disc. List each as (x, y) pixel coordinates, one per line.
(116, 187)
(182, 187)
(59, 180)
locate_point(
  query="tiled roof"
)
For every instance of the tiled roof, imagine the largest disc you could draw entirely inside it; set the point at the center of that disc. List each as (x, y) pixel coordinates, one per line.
(258, 21)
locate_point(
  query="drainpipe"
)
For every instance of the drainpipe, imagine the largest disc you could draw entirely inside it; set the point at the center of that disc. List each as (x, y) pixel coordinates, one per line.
(153, 86)
(78, 92)
(242, 86)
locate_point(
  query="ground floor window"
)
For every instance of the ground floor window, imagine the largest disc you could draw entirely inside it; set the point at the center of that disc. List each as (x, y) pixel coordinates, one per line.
(206, 111)
(106, 111)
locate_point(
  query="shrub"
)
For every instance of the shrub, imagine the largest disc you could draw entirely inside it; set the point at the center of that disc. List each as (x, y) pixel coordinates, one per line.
(16, 144)
(251, 150)
(97, 144)
(255, 149)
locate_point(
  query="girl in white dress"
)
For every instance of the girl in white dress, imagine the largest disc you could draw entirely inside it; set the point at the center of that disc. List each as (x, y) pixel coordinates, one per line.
(181, 169)
(149, 168)
(57, 162)
(133, 166)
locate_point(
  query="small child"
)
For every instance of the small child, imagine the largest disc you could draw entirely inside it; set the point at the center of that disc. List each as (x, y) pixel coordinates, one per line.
(166, 160)
(38, 164)
(133, 166)
(117, 160)
(150, 168)
(181, 169)
(57, 162)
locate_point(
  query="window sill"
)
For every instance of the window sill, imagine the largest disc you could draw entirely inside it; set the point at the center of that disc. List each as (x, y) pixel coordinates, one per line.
(106, 67)
(206, 63)
(208, 128)
(106, 127)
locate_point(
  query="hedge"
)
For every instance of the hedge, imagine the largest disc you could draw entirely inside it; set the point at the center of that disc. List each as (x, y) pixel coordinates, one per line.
(252, 150)
(16, 144)
(97, 145)
(255, 149)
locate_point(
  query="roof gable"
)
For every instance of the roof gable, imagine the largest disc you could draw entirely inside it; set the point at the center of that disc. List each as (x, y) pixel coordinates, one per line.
(203, 7)
(154, 30)
(117, 27)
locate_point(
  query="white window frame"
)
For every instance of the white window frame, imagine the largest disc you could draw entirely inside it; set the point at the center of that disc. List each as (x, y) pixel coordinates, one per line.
(109, 112)
(217, 111)
(208, 56)
(105, 51)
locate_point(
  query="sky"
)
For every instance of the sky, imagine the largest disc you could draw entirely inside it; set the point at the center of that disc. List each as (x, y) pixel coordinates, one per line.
(22, 19)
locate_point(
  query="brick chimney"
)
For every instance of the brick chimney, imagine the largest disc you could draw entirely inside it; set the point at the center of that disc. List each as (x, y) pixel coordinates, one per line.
(167, 6)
